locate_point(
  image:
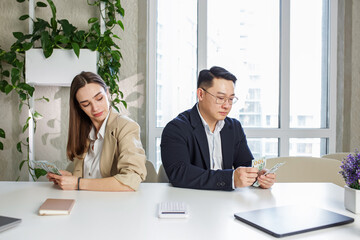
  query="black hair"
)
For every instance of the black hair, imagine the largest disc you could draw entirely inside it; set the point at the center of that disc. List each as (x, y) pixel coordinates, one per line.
(206, 76)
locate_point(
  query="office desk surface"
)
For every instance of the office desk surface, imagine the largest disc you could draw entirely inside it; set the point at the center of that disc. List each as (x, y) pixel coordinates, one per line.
(133, 215)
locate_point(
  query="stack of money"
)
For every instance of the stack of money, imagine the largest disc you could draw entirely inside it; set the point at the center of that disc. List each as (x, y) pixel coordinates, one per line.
(259, 164)
(45, 165)
(272, 170)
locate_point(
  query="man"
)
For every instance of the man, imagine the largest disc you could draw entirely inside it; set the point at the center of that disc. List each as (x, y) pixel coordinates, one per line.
(204, 149)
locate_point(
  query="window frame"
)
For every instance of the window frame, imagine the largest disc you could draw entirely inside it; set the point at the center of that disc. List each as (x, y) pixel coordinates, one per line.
(284, 132)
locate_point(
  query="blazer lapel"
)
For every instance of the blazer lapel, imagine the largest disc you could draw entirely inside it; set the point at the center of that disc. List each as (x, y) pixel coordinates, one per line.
(227, 146)
(108, 151)
(200, 135)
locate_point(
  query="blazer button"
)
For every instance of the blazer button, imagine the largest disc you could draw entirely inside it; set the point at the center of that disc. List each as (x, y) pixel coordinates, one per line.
(222, 184)
(218, 184)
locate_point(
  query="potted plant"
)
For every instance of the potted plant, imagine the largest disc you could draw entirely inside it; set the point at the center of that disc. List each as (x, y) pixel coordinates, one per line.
(60, 33)
(350, 170)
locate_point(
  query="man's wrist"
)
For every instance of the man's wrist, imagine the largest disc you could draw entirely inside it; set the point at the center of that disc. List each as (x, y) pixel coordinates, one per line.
(233, 180)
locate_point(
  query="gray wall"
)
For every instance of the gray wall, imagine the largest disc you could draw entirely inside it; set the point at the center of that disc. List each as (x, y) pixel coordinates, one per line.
(51, 134)
(348, 87)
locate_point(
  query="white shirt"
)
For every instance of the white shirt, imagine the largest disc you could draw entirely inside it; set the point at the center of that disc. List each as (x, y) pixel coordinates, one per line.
(214, 142)
(93, 156)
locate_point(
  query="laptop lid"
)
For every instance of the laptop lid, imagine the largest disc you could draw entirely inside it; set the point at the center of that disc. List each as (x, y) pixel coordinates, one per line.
(289, 220)
(8, 222)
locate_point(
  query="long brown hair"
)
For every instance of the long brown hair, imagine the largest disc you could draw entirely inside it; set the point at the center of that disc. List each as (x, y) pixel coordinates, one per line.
(79, 123)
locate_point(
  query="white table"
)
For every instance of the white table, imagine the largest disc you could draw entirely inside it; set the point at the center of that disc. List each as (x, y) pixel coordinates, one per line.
(107, 215)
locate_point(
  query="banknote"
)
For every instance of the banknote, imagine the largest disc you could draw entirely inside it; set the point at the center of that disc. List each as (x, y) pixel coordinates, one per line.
(47, 166)
(271, 170)
(274, 168)
(259, 164)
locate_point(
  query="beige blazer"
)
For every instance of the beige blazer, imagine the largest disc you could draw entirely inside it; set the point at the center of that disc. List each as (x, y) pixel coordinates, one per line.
(122, 156)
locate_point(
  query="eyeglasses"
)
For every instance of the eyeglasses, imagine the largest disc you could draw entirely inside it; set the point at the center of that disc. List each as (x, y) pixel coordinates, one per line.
(222, 100)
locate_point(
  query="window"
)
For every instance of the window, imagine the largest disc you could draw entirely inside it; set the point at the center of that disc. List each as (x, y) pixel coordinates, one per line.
(285, 62)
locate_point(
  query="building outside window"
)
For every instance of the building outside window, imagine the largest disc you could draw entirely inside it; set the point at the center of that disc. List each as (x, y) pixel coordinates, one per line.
(285, 62)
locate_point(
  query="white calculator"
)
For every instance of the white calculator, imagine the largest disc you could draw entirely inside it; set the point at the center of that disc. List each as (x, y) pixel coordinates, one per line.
(173, 210)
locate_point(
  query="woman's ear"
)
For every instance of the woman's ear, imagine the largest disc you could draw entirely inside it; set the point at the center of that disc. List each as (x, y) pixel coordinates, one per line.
(108, 93)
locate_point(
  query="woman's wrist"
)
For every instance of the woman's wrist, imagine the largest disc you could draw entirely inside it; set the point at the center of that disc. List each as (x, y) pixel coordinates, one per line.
(78, 185)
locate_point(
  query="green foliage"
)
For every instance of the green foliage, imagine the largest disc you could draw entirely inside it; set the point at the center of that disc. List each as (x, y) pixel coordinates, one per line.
(39, 172)
(60, 33)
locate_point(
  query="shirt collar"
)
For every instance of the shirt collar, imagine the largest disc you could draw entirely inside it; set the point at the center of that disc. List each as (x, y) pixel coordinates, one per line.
(219, 125)
(101, 132)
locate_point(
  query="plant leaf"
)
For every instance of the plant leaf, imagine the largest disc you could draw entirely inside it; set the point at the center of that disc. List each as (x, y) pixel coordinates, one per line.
(6, 73)
(27, 88)
(120, 24)
(25, 127)
(27, 45)
(18, 35)
(124, 103)
(37, 115)
(20, 105)
(39, 172)
(22, 96)
(2, 133)
(76, 48)
(41, 4)
(15, 75)
(20, 1)
(21, 164)
(24, 17)
(92, 20)
(92, 45)
(3, 85)
(18, 147)
(1, 146)
(8, 88)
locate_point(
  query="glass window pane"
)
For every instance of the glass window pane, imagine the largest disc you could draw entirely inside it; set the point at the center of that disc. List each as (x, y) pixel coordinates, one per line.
(264, 147)
(176, 58)
(158, 161)
(310, 147)
(245, 41)
(308, 63)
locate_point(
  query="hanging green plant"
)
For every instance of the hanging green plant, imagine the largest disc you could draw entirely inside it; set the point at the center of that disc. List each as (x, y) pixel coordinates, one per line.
(60, 33)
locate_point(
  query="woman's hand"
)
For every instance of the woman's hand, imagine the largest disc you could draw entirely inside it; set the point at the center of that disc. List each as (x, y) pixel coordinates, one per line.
(266, 181)
(66, 182)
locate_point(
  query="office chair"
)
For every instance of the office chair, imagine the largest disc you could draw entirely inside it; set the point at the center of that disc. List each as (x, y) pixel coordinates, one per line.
(338, 156)
(307, 169)
(162, 177)
(151, 176)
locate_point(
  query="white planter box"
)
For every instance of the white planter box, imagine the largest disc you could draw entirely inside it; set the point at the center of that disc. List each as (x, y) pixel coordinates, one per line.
(352, 199)
(60, 68)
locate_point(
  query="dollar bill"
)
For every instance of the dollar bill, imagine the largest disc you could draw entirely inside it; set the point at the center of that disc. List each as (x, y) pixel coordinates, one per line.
(259, 164)
(272, 170)
(47, 166)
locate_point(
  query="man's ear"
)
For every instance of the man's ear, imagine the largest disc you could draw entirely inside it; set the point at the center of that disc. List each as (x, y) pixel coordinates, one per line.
(200, 94)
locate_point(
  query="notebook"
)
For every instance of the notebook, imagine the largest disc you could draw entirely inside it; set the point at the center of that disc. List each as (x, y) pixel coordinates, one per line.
(289, 220)
(8, 222)
(56, 206)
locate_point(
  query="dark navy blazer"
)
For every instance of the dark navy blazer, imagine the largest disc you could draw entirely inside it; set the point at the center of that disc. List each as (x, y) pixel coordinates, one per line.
(185, 152)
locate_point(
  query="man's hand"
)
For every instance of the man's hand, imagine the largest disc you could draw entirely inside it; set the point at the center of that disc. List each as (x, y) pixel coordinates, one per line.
(266, 181)
(245, 176)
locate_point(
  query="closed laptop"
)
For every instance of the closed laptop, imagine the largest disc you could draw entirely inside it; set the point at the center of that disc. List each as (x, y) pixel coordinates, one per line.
(289, 220)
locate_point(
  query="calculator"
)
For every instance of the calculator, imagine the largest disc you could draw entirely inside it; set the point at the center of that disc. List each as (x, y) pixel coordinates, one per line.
(173, 210)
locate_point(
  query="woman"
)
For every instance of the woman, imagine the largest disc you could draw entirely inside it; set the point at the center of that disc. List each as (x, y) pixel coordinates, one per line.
(104, 145)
